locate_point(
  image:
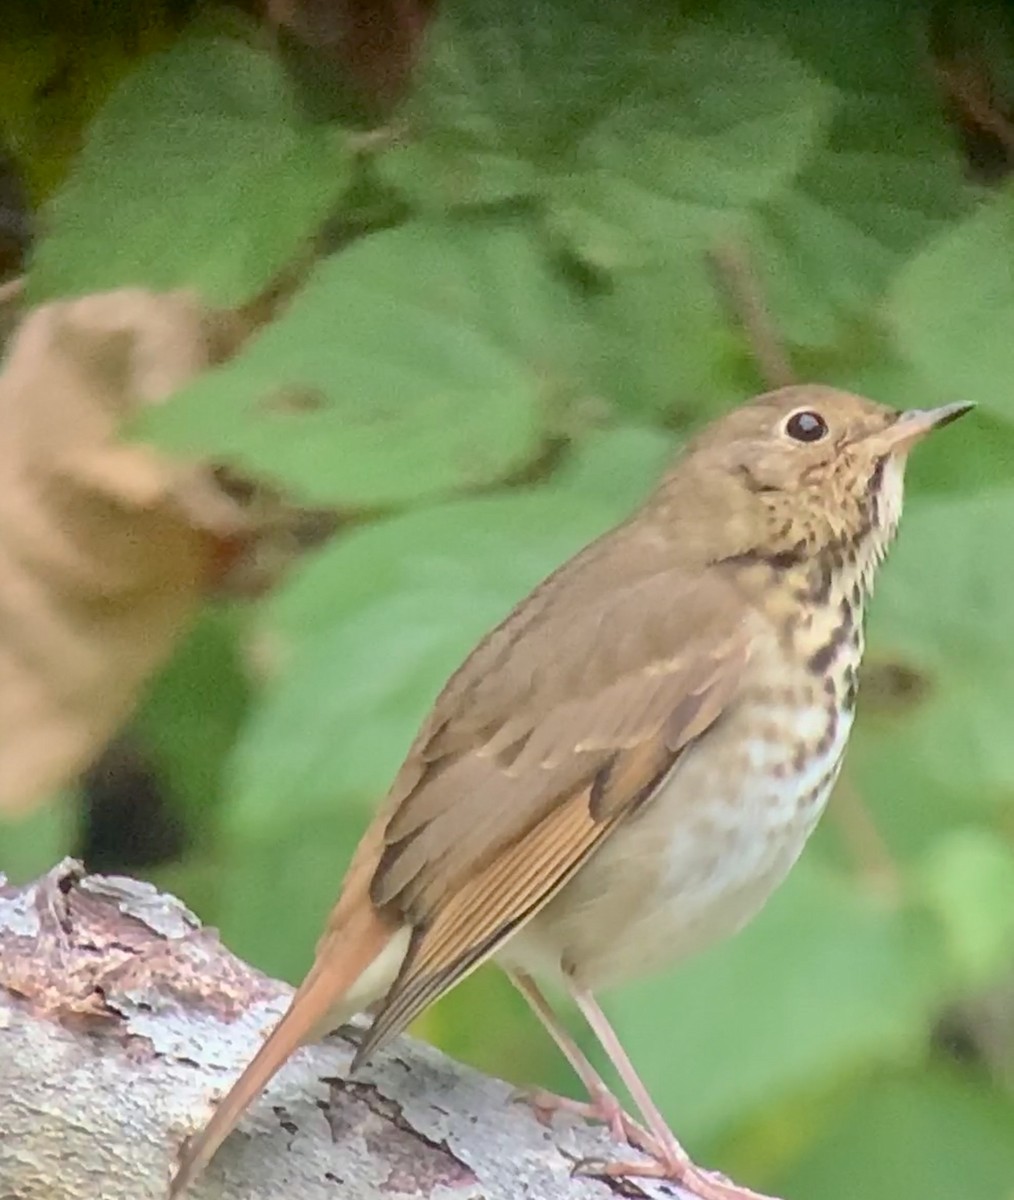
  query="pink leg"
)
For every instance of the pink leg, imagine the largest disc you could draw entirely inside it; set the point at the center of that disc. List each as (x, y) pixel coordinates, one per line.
(671, 1160)
(604, 1106)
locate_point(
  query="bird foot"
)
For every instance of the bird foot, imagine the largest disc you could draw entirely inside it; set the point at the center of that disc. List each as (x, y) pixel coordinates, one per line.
(603, 1108)
(670, 1163)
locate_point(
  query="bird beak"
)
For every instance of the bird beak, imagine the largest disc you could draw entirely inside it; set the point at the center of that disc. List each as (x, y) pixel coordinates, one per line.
(912, 426)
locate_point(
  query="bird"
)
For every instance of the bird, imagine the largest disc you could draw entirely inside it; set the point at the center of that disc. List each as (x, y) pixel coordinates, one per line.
(626, 767)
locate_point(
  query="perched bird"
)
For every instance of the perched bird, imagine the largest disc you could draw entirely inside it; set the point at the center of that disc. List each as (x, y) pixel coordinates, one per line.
(623, 770)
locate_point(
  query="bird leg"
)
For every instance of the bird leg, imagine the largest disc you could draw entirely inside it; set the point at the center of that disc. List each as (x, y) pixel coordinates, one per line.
(670, 1160)
(602, 1105)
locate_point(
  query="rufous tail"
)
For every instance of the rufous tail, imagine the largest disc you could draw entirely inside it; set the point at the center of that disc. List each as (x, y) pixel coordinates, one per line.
(351, 970)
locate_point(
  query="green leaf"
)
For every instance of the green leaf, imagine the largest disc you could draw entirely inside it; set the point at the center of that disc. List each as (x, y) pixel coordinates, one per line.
(618, 466)
(931, 1136)
(967, 880)
(886, 178)
(823, 983)
(192, 713)
(658, 132)
(274, 887)
(665, 344)
(502, 544)
(827, 250)
(420, 361)
(492, 108)
(975, 455)
(952, 307)
(343, 717)
(372, 628)
(933, 744)
(31, 844)
(715, 125)
(198, 172)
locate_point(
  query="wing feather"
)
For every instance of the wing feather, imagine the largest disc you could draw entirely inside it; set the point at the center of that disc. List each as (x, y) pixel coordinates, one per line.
(496, 810)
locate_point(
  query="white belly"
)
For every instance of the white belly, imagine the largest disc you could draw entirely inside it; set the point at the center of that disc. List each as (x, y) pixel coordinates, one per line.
(697, 862)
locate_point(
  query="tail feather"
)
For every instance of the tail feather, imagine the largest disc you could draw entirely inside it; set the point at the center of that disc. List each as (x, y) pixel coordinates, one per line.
(353, 968)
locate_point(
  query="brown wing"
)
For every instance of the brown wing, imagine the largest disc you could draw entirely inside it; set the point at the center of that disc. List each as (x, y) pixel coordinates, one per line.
(551, 733)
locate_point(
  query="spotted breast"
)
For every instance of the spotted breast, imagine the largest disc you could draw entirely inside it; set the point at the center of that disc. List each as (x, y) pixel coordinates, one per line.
(767, 770)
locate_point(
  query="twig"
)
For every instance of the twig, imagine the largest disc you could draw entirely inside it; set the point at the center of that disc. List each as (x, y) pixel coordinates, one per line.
(863, 839)
(746, 299)
(972, 97)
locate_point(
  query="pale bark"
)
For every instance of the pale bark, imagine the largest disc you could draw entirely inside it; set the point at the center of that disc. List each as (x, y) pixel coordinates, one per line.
(121, 1020)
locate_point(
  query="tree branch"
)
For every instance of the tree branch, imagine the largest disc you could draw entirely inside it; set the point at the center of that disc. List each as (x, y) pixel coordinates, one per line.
(121, 1021)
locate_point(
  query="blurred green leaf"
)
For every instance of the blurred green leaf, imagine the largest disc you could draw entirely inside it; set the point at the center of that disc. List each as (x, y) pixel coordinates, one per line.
(967, 880)
(823, 984)
(342, 718)
(827, 250)
(658, 132)
(618, 467)
(933, 745)
(198, 172)
(492, 108)
(885, 179)
(192, 714)
(56, 70)
(502, 544)
(953, 306)
(420, 361)
(31, 844)
(930, 1136)
(715, 124)
(666, 346)
(275, 886)
(378, 622)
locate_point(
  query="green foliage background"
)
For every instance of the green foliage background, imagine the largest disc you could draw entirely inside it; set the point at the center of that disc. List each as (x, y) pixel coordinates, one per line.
(510, 317)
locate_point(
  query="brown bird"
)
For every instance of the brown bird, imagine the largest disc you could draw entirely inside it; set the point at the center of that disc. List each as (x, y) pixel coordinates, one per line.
(623, 770)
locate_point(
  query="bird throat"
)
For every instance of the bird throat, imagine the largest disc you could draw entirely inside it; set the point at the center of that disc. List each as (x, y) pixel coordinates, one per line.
(814, 592)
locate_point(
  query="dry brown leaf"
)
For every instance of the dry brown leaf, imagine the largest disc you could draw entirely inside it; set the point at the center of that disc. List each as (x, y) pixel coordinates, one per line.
(105, 547)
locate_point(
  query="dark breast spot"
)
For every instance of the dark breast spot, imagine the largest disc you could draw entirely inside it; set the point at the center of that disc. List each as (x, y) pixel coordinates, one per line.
(830, 731)
(873, 490)
(820, 586)
(851, 688)
(821, 659)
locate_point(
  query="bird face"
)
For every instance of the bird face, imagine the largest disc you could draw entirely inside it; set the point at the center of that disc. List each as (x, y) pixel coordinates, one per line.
(808, 471)
(800, 436)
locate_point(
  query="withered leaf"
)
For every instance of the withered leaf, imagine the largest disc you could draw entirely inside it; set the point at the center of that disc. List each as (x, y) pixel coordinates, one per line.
(104, 546)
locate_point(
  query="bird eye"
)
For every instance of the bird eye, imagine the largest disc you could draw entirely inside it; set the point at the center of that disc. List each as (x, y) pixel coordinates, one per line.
(806, 426)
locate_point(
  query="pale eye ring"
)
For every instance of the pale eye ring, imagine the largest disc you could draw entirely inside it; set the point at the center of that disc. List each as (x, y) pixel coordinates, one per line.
(806, 426)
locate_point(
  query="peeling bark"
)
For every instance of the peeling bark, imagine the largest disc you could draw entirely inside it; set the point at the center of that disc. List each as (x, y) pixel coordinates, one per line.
(121, 1021)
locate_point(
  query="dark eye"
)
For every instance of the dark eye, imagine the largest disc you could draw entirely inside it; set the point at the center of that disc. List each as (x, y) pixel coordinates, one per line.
(806, 426)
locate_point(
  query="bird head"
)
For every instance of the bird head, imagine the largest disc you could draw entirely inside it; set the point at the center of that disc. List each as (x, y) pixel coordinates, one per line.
(801, 473)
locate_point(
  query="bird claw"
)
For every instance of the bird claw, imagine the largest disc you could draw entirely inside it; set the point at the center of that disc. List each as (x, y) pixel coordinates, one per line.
(677, 1168)
(543, 1104)
(603, 1109)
